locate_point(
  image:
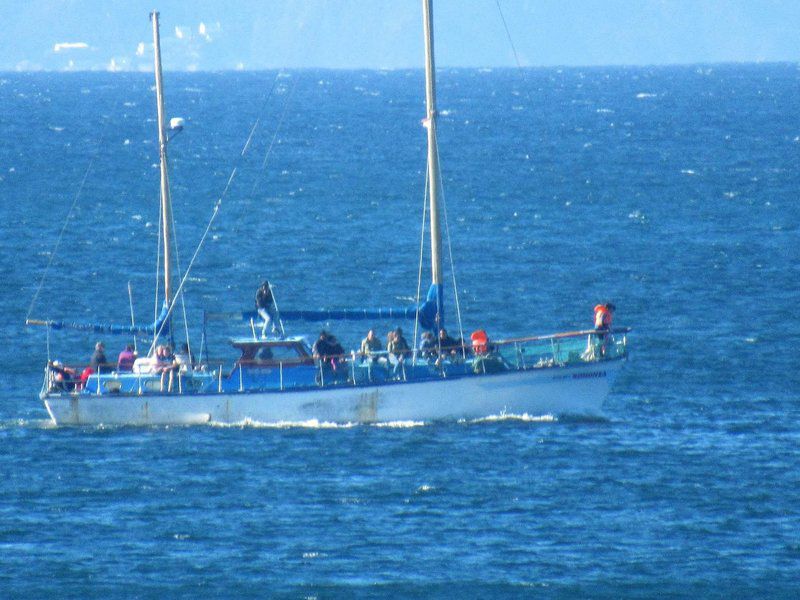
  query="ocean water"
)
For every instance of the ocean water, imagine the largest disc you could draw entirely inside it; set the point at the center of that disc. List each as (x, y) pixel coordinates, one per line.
(672, 192)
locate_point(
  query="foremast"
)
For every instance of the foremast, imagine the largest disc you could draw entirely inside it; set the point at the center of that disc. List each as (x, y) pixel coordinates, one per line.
(433, 162)
(166, 200)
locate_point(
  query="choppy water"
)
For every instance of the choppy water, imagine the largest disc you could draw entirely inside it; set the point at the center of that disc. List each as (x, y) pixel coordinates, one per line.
(671, 191)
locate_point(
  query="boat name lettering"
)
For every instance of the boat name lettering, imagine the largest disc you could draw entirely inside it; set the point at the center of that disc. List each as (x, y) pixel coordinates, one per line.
(593, 375)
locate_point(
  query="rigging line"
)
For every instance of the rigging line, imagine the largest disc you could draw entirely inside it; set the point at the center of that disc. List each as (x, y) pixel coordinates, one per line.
(178, 265)
(214, 214)
(421, 250)
(275, 134)
(516, 56)
(508, 34)
(66, 220)
(450, 252)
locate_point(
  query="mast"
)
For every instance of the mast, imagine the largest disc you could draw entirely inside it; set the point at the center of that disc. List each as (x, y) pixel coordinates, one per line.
(433, 151)
(166, 201)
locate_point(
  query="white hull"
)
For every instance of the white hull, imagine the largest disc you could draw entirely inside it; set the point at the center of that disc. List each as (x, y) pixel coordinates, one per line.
(549, 391)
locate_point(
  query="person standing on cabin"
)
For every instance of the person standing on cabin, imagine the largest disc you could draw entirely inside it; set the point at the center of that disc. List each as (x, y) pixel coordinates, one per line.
(265, 305)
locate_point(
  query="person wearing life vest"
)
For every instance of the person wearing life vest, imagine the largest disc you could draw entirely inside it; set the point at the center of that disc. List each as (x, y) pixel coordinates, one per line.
(603, 316)
(480, 342)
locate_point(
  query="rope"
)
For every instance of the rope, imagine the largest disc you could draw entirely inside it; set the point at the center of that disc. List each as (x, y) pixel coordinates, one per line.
(182, 296)
(277, 311)
(275, 134)
(214, 213)
(508, 34)
(66, 222)
(421, 249)
(516, 56)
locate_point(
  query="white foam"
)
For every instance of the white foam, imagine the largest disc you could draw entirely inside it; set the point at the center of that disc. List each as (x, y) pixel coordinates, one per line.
(309, 424)
(524, 417)
(400, 424)
(642, 95)
(637, 215)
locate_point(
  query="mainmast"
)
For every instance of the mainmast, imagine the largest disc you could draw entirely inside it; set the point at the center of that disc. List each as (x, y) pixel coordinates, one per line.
(166, 201)
(433, 150)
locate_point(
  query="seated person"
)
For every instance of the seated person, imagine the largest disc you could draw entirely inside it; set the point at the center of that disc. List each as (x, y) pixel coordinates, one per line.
(166, 365)
(99, 363)
(321, 349)
(62, 378)
(370, 346)
(264, 353)
(450, 347)
(184, 359)
(480, 342)
(337, 352)
(427, 346)
(398, 350)
(126, 359)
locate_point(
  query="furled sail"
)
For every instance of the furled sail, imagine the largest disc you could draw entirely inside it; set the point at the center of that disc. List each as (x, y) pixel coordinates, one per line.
(161, 325)
(430, 312)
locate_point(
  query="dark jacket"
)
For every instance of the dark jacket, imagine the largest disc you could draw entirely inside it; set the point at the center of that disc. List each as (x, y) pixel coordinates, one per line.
(264, 297)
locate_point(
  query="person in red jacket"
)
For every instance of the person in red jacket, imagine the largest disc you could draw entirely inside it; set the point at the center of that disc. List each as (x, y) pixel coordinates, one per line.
(603, 317)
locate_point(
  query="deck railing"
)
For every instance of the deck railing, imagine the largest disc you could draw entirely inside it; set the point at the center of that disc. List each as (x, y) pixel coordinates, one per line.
(356, 368)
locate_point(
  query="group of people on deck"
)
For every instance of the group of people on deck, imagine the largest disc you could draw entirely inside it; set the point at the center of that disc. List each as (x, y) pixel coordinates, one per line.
(163, 362)
(393, 354)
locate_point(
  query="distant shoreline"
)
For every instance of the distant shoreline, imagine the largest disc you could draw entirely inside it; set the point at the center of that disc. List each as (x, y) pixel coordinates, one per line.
(787, 63)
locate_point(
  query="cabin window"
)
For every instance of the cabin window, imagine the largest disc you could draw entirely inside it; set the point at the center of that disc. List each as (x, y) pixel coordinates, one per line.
(284, 352)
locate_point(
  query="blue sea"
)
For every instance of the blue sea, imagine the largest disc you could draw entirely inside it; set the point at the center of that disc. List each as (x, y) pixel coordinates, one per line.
(671, 191)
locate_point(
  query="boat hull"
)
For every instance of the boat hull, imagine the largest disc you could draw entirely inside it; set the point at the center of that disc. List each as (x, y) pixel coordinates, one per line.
(577, 389)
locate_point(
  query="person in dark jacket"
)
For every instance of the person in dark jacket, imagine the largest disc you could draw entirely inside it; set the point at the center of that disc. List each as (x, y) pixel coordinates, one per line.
(99, 363)
(267, 310)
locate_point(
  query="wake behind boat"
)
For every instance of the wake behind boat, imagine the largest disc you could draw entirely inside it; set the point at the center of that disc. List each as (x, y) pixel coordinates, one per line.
(286, 379)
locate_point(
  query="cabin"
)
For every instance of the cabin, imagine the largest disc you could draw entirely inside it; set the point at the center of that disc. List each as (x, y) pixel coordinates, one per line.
(269, 364)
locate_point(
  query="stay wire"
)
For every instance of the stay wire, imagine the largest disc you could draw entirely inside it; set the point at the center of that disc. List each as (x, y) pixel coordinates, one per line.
(214, 213)
(508, 33)
(66, 220)
(275, 133)
(201, 243)
(516, 56)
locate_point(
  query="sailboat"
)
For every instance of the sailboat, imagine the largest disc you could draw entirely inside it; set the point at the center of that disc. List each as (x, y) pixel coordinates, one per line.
(282, 380)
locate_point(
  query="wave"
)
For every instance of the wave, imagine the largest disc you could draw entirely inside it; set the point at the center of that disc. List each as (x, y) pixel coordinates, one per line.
(309, 424)
(27, 423)
(524, 417)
